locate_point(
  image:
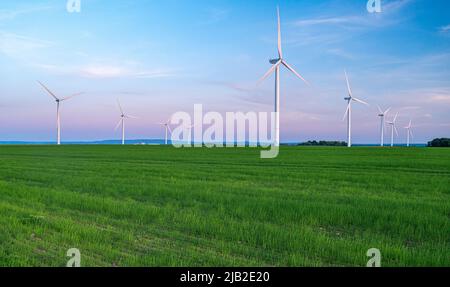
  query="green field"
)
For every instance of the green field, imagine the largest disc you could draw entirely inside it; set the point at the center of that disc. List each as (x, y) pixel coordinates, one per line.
(161, 206)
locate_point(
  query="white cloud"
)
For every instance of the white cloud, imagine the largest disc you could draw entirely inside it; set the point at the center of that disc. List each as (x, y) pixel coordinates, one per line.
(379, 20)
(326, 21)
(16, 46)
(103, 71)
(394, 6)
(440, 98)
(12, 14)
(341, 53)
(445, 29)
(435, 96)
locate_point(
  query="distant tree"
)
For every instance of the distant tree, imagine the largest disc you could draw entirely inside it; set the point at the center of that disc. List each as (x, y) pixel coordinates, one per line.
(323, 143)
(442, 142)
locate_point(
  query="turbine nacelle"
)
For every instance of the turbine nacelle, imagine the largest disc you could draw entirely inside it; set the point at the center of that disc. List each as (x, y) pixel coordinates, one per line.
(274, 61)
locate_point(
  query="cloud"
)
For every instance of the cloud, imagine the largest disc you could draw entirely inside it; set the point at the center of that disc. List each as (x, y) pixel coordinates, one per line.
(14, 45)
(380, 20)
(325, 21)
(445, 29)
(440, 99)
(12, 14)
(434, 96)
(396, 5)
(101, 71)
(341, 53)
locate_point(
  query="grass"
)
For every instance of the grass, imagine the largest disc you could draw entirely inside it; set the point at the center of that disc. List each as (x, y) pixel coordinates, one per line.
(160, 206)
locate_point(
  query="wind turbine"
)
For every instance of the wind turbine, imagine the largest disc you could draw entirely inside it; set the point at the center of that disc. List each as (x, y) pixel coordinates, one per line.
(410, 134)
(58, 116)
(348, 112)
(276, 68)
(393, 128)
(382, 115)
(123, 116)
(168, 129)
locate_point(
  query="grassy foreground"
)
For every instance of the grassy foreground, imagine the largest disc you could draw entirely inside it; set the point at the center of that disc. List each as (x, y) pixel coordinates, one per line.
(160, 206)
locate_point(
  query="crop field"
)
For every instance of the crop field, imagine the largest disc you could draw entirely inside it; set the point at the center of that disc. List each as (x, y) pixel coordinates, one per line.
(161, 206)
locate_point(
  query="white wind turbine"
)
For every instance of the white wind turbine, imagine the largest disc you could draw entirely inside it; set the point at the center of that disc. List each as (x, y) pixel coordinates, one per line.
(410, 134)
(382, 115)
(393, 128)
(276, 68)
(123, 116)
(58, 116)
(168, 130)
(348, 112)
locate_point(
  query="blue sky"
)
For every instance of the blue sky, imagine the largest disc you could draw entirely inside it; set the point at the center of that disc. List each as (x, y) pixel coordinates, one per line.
(160, 57)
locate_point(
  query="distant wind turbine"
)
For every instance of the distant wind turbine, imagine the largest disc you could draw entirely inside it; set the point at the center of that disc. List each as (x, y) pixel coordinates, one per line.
(58, 116)
(276, 68)
(393, 128)
(410, 134)
(168, 129)
(348, 112)
(123, 116)
(382, 115)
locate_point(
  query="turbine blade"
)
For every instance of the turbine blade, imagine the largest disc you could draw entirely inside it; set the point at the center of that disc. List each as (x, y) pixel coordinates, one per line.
(387, 111)
(293, 71)
(118, 125)
(395, 129)
(348, 85)
(120, 106)
(269, 72)
(72, 96)
(395, 118)
(346, 111)
(48, 91)
(170, 129)
(280, 51)
(411, 133)
(360, 101)
(380, 110)
(131, 117)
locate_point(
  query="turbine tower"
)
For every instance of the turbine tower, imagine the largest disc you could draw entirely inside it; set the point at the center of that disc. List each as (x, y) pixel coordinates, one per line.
(58, 116)
(382, 115)
(123, 116)
(393, 128)
(410, 134)
(166, 125)
(348, 112)
(276, 68)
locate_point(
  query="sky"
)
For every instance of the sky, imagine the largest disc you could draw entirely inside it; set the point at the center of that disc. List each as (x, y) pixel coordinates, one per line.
(160, 57)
